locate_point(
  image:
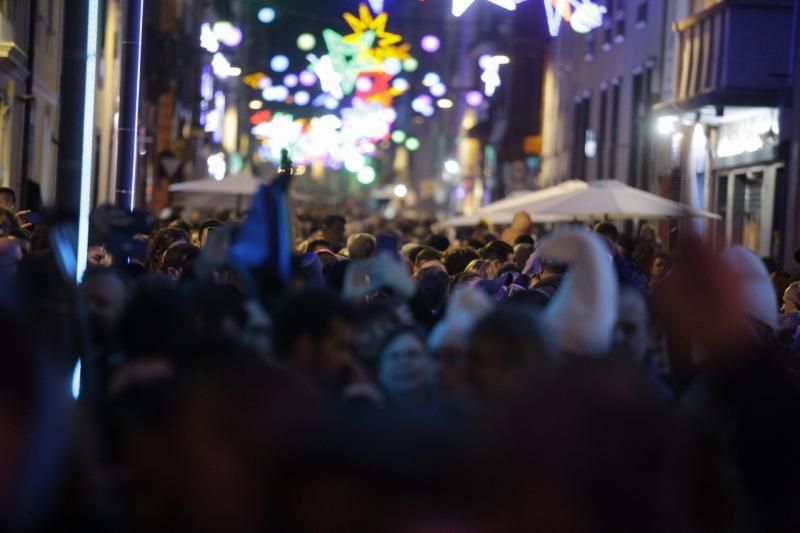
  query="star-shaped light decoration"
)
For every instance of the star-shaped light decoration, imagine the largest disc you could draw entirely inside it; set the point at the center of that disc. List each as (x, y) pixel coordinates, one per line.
(329, 78)
(388, 44)
(347, 58)
(461, 6)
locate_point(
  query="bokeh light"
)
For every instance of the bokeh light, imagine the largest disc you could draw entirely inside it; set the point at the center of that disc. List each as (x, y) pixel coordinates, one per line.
(399, 136)
(279, 63)
(474, 98)
(410, 65)
(266, 15)
(366, 175)
(306, 42)
(291, 80)
(302, 98)
(308, 78)
(412, 144)
(430, 43)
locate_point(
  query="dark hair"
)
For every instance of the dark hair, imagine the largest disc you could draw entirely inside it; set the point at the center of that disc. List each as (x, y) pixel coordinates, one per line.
(317, 244)
(414, 252)
(517, 338)
(463, 277)
(607, 230)
(433, 287)
(439, 242)
(456, 260)
(770, 263)
(9, 192)
(159, 242)
(497, 251)
(425, 255)
(308, 313)
(524, 239)
(508, 267)
(475, 243)
(208, 225)
(179, 256)
(332, 220)
(20, 233)
(181, 224)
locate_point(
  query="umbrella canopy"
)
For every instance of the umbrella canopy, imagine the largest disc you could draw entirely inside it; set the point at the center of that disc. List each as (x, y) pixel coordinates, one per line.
(232, 192)
(613, 200)
(503, 211)
(464, 221)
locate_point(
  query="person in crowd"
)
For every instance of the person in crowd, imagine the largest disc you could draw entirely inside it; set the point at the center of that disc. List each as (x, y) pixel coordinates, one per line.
(437, 242)
(498, 253)
(433, 287)
(456, 260)
(158, 244)
(361, 246)
(520, 225)
(522, 252)
(507, 348)
(332, 230)
(178, 259)
(524, 239)
(428, 258)
(8, 199)
(318, 244)
(661, 266)
(8, 222)
(314, 339)
(791, 298)
(405, 368)
(11, 256)
(23, 237)
(205, 228)
(627, 272)
(483, 268)
(106, 291)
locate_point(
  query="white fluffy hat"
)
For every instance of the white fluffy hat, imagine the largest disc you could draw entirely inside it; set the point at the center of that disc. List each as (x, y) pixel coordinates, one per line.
(755, 285)
(583, 312)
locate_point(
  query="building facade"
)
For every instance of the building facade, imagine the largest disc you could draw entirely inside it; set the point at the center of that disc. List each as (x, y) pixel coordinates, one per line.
(598, 91)
(729, 125)
(30, 59)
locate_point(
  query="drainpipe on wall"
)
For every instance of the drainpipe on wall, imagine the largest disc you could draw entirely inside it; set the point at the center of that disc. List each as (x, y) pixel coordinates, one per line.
(25, 200)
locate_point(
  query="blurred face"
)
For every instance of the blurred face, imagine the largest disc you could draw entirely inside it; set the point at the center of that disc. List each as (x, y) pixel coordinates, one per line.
(632, 332)
(334, 234)
(333, 355)
(98, 256)
(659, 268)
(789, 303)
(404, 365)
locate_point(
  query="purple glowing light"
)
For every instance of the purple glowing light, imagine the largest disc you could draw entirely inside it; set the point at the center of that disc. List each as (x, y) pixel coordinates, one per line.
(290, 80)
(430, 43)
(307, 78)
(474, 98)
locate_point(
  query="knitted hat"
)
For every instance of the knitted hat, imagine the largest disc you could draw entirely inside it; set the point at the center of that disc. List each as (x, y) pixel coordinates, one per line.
(583, 312)
(755, 287)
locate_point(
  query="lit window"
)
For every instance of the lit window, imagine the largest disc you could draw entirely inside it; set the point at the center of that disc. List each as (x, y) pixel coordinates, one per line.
(641, 14)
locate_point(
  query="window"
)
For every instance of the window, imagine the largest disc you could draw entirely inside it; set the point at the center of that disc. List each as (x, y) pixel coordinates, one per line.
(589, 57)
(614, 134)
(601, 134)
(608, 36)
(582, 112)
(641, 14)
(619, 30)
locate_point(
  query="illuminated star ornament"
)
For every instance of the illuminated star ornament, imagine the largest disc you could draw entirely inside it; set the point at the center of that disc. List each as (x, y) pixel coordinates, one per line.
(365, 25)
(582, 15)
(491, 72)
(461, 6)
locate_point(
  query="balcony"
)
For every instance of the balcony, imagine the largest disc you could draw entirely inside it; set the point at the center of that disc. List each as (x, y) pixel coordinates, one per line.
(735, 53)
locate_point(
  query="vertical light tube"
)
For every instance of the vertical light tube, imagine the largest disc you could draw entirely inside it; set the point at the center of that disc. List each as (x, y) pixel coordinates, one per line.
(87, 137)
(128, 154)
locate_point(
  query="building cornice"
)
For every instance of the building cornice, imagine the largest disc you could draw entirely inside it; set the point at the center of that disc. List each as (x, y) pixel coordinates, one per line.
(13, 61)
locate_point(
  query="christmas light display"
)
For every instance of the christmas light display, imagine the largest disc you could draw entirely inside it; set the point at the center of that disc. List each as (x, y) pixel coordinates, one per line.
(279, 63)
(306, 42)
(208, 40)
(430, 43)
(461, 6)
(582, 15)
(491, 72)
(266, 15)
(474, 98)
(227, 33)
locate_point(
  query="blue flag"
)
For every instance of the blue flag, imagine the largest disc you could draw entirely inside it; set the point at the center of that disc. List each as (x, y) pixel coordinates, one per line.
(264, 240)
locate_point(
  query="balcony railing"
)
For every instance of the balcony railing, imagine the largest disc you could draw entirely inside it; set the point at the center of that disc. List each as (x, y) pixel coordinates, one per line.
(738, 50)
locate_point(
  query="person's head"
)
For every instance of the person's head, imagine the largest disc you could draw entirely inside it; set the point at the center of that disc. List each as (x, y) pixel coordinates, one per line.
(660, 266)
(524, 239)
(404, 366)
(427, 257)
(456, 259)
(313, 337)
(607, 230)
(483, 267)
(332, 230)
(647, 233)
(318, 244)
(177, 258)
(160, 241)
(433, 286)
(438, 242)
(468, 279)
(205, 228)
(498, 252)
(632, 334)
(522, 252)
(361, 246)
(8, 221)
(506, 348)
(23, 238)
(791, 298)
(8, 199)
(106, 293)
(181, 224)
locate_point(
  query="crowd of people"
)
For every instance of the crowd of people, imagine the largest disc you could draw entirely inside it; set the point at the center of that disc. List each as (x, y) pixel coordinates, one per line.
(400, 378)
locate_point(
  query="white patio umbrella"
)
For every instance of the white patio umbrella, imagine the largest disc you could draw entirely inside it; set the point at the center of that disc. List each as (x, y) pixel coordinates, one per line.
(232, 192)
(503, 211)
(614, 200)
